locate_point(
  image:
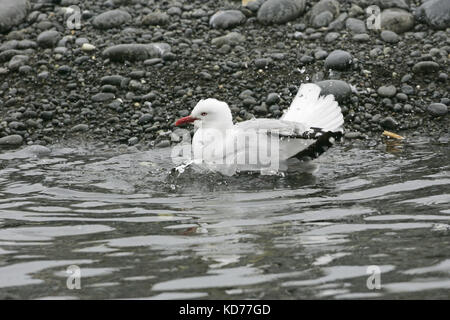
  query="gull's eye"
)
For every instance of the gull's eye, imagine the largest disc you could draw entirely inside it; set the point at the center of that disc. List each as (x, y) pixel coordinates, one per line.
(203, 114)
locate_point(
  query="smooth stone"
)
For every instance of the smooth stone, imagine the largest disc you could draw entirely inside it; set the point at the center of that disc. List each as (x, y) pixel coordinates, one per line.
(272, 98)
(362, 37)
(387, 91)
(232, 38)
(341, 90)
(48, 39)
(8, 54)
(87, 47)
(331, 36)
(425, 67)
(385, 4)
(254, 5)
(36, 150)
(111, 19)
(80, 128)
(114, 80)
(338, 60)
(135, 51)
(151, 62)
(262, 62)
(353, 135)
(17, 61)
(12, 140)
(174, 11)
(323, 13)
(437, 109)
(163, 144)
(389, 123)
(133, 141)
(389, 36)
(320, 54)
(155, 18)
(12, 13)
(103, 96)
(339, 22)
(144, 119)
(435, 13)
(227, 19)
(397, 20)
(280, 11)
(355, 25)
(322, 19)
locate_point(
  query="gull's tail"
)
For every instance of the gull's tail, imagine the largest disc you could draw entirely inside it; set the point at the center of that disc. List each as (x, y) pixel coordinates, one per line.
(314, 111)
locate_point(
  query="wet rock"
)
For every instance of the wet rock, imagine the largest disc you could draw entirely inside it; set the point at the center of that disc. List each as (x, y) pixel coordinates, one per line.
(437, 109)
(155, 18)
(389, 36)
(163, 144)
(133, 141)
(397, 20)
(387, 91)
(80, 128)
(331, 37)
(232, 38)
(227, 19)
(435, 13)
(36, 151)
(111, 19)
(425, 67)
(386, 4)
(355, 25)
(353, 135)
(389, 123)
(262, 62)
(355, 11)
(151, 62)
(362, 37)
(280, 11)
(47, 115)
(114, 80)
(323, 12)
(17, 61)
(338, 88)
(87, 47)
(48, 39)
(103, 96)
(12, 140)
(322, 19)
(144, 119)
(135, 51)
(338, 60)
(339, 22)
(12, 13)
(272, 98)
(254, 5)
(9, 45)
(407, 89)
(320, 54)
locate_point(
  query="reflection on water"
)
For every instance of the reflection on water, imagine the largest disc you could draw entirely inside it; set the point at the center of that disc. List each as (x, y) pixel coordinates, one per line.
(137, 230)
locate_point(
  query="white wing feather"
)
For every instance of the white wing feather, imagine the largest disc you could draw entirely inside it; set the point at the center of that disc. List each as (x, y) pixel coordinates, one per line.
(312, 110)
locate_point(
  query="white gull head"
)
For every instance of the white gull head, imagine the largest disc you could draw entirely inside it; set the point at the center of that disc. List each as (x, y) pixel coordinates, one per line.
(210, 113)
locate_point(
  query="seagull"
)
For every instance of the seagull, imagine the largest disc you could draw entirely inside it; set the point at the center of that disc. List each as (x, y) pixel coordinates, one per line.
(307, 129)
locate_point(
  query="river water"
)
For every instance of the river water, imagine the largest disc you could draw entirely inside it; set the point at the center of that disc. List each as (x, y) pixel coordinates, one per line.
(373, 222)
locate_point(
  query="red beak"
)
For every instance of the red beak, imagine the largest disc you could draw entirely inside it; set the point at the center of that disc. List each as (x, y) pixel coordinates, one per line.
(187, 119)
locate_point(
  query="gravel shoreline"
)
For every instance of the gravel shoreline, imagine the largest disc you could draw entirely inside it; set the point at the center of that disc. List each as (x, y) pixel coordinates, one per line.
(134, 66)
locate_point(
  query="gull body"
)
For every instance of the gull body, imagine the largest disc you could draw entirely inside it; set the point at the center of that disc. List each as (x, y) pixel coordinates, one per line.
(305, 131)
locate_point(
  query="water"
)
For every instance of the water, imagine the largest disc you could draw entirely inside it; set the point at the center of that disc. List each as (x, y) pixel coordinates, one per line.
(136, 231)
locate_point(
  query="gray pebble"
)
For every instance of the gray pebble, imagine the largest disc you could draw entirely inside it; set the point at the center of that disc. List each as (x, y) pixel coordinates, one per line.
(437, 109)
(11, 140)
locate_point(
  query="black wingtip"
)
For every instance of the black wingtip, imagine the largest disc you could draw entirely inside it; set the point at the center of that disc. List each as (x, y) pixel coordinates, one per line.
(322, 144)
